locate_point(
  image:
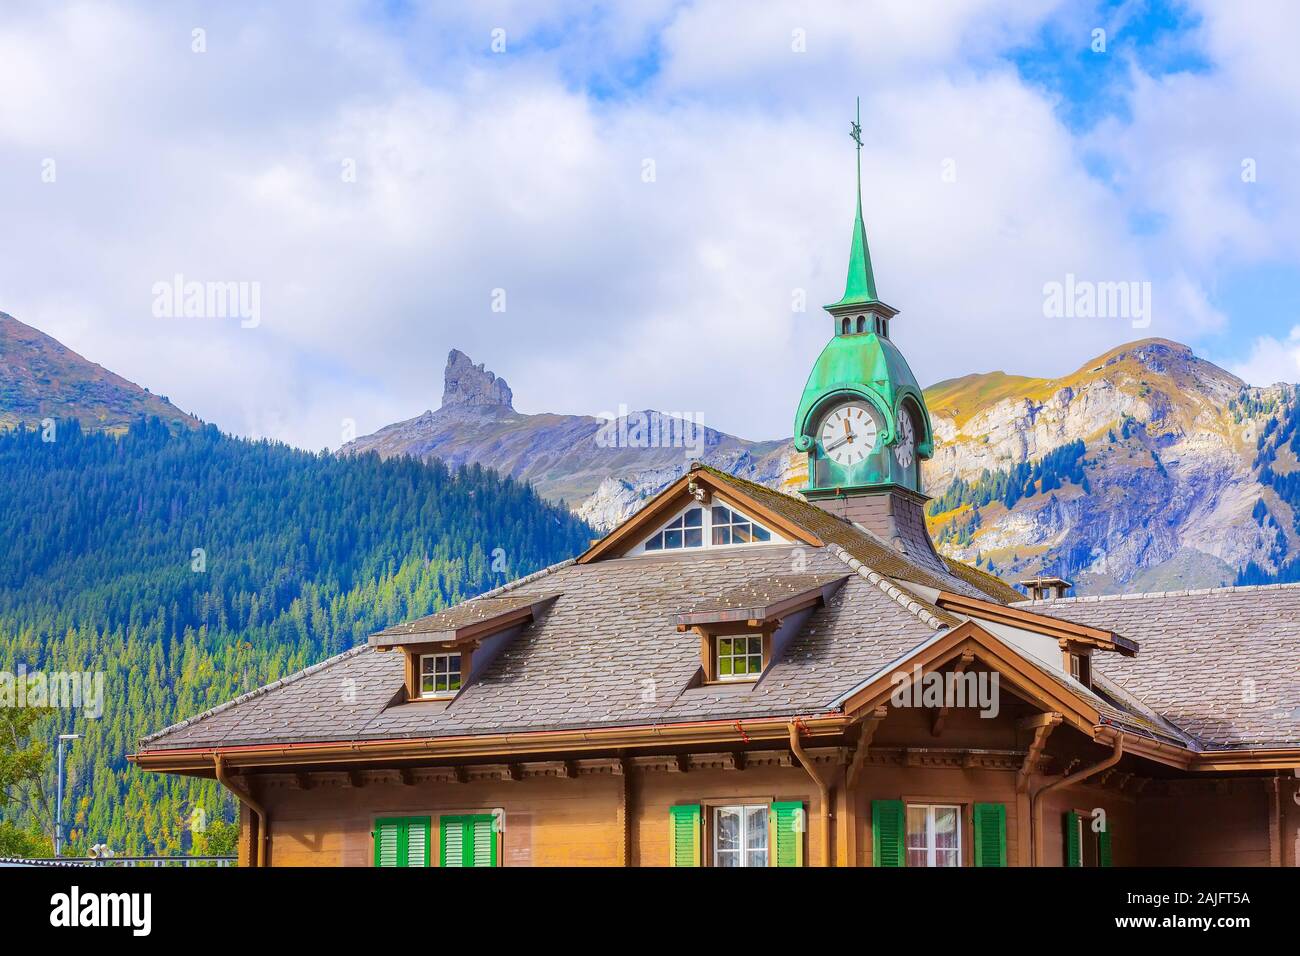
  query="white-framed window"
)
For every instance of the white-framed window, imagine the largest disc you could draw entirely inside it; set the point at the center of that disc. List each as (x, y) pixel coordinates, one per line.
(439, 675)
(731, 527)
(698, 526)
(740, 836)
(684, 531)
(933, 835)
(739, 657)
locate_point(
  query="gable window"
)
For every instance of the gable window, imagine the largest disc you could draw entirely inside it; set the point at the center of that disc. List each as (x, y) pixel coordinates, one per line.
(740, 836)
(739, 657)
(730, 527)
(440, 675)
(933, 835)
(685, 531)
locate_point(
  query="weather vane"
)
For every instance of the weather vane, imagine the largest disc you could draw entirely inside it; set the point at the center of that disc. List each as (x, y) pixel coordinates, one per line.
(856, 131)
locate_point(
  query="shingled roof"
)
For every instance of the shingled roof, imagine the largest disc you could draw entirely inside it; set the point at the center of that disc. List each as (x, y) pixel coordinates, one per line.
(1223, 664)
(602, 648)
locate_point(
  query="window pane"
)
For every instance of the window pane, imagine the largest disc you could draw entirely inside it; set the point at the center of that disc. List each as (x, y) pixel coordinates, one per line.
(762, 534)
(656, 543)
(727, 858)
(672, 539)
(724, 666)
(945, 827)
(917, 858)
(694, 537)
(721, 535)
(694, 518)
(721, 515)
(946, 858)
(740, 533)
(728, 821)
(916, 828)
(756, 828)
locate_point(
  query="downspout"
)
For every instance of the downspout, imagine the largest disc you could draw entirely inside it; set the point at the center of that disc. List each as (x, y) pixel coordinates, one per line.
(258, 847)
(823, 789)
(1036, 807)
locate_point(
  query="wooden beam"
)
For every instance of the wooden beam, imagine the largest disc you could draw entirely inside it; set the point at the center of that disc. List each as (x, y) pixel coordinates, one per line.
(1042, 725)
(937, 721)
(868, 733)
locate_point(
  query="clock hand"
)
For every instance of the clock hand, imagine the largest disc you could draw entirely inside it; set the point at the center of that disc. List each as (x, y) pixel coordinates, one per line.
(836, 443)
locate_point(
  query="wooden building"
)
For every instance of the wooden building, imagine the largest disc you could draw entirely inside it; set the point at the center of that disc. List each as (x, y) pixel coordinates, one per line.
(741, 677)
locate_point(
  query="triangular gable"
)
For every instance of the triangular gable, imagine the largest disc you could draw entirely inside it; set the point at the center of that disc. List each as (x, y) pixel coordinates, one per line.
(1027, 678)
(669, 502)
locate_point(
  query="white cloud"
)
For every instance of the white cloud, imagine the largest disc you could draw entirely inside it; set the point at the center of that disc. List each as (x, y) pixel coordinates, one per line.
(1271, 360)
(477, 172)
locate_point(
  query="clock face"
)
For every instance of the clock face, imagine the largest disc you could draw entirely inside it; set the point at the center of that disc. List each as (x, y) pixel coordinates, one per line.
(848, 433)
(905, 449)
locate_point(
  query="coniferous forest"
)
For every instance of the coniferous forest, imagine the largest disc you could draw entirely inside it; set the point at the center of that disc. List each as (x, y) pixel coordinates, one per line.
(191, 567)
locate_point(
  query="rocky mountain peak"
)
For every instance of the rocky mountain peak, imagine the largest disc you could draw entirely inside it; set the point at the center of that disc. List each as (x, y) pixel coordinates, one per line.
(465, 383)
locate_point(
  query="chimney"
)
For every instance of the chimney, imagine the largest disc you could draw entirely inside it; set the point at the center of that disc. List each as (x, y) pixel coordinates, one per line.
(1046, 588)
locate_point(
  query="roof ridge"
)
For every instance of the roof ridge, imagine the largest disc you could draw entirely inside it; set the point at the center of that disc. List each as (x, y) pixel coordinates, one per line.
(853, 526)
(331, 661)
(901, 597)
(1095, 598)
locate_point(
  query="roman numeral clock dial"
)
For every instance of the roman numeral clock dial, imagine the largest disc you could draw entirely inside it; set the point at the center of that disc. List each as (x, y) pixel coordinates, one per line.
(849, 433)
(905, 450)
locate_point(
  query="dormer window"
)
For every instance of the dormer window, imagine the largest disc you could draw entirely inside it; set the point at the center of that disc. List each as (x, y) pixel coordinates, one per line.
(684, 531)
(440, 675)
(1080, 667)
(738, 658)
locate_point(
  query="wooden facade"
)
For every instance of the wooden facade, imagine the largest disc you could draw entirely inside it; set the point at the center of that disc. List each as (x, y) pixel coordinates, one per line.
(614, 811)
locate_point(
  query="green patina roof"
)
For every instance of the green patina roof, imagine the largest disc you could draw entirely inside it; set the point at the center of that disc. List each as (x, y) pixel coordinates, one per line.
(860, 287)
(869, 365)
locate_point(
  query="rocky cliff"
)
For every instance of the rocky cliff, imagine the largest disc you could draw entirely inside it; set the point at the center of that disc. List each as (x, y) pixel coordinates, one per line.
(1139, 471)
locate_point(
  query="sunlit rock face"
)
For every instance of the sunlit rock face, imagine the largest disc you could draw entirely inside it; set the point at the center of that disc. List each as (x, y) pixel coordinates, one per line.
(1170, 443)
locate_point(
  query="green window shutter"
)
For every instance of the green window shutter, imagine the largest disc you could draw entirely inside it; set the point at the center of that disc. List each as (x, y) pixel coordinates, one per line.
(1103, 846)
(467, 841)
(685, 833)
(888, 833)
(1073, 851)
(990, 823)
(388, 836)
(789, 826)
(417, 841)
(481, 841)
(451, 841)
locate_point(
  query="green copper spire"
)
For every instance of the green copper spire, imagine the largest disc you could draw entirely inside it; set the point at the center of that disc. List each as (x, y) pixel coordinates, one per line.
(861, 285)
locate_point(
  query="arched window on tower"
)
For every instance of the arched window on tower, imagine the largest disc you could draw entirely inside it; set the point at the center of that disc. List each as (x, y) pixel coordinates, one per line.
(862, 324)
(844, 326)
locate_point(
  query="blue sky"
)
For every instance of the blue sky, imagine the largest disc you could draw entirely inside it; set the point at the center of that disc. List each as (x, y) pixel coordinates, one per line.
(652, 186)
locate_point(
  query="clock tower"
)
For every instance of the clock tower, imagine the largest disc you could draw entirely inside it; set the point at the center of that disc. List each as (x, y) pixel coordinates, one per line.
(862, 420)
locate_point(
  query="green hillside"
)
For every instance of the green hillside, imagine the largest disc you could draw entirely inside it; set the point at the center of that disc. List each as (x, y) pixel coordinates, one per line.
(190, 567)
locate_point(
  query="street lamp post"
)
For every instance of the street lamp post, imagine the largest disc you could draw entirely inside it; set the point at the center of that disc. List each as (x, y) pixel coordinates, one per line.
(58, 797)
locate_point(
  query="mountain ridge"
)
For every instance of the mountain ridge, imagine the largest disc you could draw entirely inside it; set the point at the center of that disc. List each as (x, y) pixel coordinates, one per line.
(1159, 437)
(41, 378)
